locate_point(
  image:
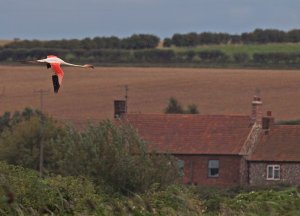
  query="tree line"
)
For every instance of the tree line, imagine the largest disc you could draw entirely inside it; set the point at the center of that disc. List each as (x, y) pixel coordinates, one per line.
(258, 36)
(156, 57)
(142, 49)
(150, 41)
(136, 41)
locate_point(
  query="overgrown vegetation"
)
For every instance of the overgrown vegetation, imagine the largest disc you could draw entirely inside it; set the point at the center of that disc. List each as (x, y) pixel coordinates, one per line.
(105, 170)
(106, 153)
(22, 192)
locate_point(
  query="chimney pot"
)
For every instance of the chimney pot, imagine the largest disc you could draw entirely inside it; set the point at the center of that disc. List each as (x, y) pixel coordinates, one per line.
(256, 113)
(267, 122)
(119, 108)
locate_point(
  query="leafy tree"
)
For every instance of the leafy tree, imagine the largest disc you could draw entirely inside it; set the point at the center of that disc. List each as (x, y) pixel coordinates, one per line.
(4, 121)
(192, 109)
(140, 41)
(167, 42)
(115, 156)
(174, 106)
(293, 36)
(20, 140)
(109, 153)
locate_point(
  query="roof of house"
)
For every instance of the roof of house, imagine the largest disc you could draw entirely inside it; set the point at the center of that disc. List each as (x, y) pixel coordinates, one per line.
(192, 134)
(281, 143)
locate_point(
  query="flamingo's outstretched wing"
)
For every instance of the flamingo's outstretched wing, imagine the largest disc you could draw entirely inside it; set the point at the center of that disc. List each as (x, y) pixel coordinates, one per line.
(36, 62)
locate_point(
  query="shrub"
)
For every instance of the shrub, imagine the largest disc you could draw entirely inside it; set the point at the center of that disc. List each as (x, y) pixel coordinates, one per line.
(22, 192)
(113, 155)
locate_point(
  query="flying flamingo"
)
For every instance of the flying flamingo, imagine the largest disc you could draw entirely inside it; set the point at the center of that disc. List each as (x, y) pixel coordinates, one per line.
(54, 62)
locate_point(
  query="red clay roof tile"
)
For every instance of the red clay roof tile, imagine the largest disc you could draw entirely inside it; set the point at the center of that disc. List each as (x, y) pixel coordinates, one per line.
(282, 143)
(192, 134)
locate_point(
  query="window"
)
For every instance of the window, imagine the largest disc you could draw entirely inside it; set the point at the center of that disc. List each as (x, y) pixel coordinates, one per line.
(273, 172)
(180, 165)
(213, 168)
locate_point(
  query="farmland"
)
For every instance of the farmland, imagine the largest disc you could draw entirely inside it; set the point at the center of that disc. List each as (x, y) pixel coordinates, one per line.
(87, 95)
(4, 42)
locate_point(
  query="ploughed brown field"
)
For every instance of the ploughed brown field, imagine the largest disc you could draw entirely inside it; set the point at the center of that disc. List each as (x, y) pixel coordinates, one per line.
(88, 95)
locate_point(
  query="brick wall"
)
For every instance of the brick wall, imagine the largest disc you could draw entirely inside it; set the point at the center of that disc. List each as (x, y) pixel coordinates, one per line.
(196, 170)
(289, 173)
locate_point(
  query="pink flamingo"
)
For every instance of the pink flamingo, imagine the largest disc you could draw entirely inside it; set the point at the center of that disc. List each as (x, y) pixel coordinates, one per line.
(55, 63)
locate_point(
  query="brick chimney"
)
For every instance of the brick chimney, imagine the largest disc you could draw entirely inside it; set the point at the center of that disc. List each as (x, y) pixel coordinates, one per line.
(120, 108)
(256, 113)
(267, 122)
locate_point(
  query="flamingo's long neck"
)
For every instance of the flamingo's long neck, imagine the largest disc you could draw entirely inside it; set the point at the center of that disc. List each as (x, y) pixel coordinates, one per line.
(74, 65)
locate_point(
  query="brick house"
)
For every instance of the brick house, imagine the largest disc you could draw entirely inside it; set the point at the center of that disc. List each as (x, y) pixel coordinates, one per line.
(223, 150)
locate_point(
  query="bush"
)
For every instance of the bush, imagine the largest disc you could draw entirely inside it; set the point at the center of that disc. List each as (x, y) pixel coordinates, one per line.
(114, 156)
(215, 56)
(241, 57)
(22, 134)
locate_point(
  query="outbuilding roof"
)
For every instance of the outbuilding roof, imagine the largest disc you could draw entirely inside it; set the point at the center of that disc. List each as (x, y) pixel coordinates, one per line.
(281, 143)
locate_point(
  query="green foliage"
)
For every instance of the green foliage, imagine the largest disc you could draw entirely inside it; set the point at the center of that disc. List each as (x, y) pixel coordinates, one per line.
(258, 36)
(175, 107)
(22, 192)
(289, 122)
(115, 156)
(192, 109)
(175, 200)
(136, 41)
(241, 57)
(285, 201)
(21, 137)
(108, 153)
(213, 56)
(260, 48)
(100, 165)
(154, 55)
(167, 42)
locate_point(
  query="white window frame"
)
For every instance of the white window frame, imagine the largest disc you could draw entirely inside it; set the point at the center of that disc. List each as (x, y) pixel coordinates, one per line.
(212, 165)
(180, 165)
(273, 168)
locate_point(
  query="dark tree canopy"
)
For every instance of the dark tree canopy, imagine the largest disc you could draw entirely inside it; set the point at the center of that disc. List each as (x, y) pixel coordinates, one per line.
(175, 107)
